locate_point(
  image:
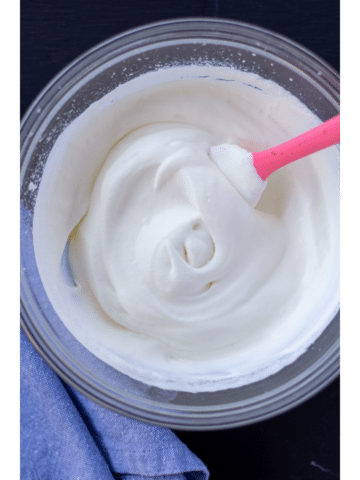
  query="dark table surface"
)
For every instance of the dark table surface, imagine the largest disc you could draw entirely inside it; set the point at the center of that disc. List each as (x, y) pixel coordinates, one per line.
(304, 442)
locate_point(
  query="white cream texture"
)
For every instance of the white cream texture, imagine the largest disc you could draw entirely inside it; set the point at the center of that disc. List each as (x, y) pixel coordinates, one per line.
(179, 281)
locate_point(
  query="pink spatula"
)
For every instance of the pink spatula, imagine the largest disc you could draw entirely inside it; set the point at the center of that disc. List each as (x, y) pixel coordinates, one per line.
(323, 136)
(248, 171)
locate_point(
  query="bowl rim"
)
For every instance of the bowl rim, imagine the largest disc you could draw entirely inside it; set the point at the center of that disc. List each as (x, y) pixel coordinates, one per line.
(199, 22)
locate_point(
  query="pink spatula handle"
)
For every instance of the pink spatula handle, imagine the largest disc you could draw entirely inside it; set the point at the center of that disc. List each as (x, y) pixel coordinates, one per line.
(325, 135)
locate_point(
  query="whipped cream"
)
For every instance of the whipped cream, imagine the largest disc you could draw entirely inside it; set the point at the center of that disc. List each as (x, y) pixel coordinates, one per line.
(176, 279)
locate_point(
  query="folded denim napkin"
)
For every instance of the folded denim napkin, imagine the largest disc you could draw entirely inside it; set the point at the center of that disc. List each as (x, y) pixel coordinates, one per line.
(66, 436)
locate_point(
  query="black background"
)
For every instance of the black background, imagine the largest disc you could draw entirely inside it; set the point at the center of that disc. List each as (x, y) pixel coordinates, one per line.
(300, 444)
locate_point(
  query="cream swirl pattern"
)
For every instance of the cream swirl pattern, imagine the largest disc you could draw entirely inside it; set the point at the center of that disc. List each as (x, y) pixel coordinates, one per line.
(159, 222)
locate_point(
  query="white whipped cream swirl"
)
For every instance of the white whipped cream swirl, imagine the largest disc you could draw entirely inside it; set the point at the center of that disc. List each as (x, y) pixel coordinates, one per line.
(179, 281)
(171, 242)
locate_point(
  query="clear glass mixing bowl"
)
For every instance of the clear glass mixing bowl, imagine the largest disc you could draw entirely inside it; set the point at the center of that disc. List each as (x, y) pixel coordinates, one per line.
(88, 78)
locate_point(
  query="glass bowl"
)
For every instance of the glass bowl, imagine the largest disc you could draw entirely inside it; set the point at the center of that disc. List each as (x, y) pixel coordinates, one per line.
(88, 78)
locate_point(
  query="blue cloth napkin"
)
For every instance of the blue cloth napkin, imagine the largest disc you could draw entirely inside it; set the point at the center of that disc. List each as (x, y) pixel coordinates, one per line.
(65, 436)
